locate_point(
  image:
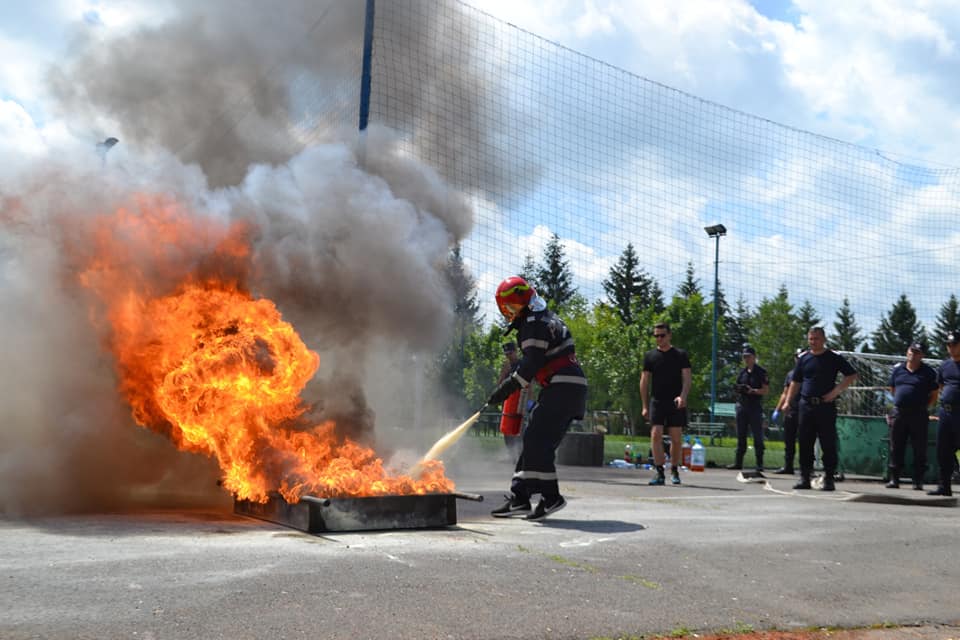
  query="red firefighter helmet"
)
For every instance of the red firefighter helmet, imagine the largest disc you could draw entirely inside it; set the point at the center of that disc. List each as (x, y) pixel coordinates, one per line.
(513, 295)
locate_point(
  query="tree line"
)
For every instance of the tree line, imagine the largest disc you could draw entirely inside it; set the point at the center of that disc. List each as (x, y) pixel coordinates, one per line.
(612, 334)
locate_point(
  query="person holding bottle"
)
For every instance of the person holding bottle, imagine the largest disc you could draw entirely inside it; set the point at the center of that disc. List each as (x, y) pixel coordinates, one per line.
(752, 384)
(790, 409)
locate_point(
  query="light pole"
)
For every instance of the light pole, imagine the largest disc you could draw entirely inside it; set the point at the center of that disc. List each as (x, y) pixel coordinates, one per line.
(715, 231)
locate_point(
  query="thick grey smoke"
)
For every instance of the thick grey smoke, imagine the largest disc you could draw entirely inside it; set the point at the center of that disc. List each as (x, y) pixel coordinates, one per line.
(212, 84)
(225, 83)
(458, 108)
(350, 237)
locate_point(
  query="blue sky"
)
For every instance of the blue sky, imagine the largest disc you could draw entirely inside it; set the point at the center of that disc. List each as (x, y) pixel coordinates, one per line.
(783, 10)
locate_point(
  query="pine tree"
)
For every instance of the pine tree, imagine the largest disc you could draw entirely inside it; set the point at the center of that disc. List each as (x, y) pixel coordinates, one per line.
(464, 287)
(722, 307)
(529, 271)
(947, 320)
(450, 363)
(554, 277)
(847, 336)
(898, 329)
(736, 333)
(629, 287)
(808, 316)
(690, 285)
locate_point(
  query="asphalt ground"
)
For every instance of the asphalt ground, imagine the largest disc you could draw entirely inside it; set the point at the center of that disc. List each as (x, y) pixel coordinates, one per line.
(622, 560)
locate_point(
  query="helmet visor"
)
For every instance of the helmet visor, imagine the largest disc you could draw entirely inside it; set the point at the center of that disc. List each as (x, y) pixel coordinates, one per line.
(510, 310)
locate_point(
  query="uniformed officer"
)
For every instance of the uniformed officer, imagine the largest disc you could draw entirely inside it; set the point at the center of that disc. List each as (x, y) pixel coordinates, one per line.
(914, 388)
(948, 429)
(752, 384)
(549, 358)
(790, 408)
(815, 379)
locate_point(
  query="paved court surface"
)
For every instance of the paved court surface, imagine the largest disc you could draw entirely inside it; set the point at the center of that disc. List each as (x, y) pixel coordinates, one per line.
(622, 560)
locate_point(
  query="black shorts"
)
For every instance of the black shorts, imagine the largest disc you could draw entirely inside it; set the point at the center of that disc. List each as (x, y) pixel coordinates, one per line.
(667, 415)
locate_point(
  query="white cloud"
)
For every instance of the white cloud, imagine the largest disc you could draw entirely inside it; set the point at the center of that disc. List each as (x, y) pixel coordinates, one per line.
(878, 73)
(18, 133)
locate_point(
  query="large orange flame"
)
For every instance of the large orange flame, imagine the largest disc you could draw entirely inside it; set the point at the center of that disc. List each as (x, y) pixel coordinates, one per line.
(218, 371)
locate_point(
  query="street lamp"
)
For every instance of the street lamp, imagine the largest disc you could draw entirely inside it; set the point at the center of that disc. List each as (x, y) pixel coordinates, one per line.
(715, 231)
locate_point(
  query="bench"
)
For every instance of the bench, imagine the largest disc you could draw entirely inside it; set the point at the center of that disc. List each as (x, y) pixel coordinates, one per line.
(715, 430)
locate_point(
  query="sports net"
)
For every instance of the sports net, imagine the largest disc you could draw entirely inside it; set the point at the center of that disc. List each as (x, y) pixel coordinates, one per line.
(549, 141)
(870, 395)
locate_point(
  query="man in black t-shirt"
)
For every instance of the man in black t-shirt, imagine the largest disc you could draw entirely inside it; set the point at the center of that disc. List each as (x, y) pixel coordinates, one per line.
(669, 369)
(815, 379)
(752, 384)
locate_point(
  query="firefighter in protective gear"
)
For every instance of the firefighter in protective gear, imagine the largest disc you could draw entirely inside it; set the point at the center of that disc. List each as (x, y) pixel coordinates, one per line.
(549, 358)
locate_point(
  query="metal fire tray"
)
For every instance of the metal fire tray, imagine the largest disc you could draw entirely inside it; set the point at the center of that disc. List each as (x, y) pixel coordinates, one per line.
(318, 515)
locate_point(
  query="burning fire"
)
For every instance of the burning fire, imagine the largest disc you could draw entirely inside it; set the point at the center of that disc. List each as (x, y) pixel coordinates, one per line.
(217, 371)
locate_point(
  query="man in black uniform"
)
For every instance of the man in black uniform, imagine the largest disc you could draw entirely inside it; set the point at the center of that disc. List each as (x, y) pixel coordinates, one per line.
(752, 384)
(790, 408)
(815, 379)
(914, 388)
(670, 369)
(948, 429)
(548, 358)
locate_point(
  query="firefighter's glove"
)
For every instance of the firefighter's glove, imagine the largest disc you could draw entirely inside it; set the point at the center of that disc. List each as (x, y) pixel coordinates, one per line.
(775, 415)
(503, 391)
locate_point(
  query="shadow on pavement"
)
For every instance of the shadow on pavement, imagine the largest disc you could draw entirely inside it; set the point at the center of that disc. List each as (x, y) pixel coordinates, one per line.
(593, 526)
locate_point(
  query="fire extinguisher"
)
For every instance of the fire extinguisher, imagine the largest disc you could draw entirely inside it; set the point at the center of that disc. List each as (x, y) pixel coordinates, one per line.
(512, 417)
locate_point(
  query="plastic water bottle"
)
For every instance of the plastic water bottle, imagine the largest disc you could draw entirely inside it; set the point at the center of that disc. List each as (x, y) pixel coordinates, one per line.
(687, 451)
(698, 456)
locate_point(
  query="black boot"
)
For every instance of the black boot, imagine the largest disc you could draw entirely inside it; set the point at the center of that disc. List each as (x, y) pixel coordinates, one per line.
(739, 462)
(784, 471)
(804, 480)
(760, 463)
(941, 491)
(894, 481)
(918, 478)
(828, 480)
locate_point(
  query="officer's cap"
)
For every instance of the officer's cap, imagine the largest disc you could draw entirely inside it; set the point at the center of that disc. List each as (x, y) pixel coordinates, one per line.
(953, 337)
